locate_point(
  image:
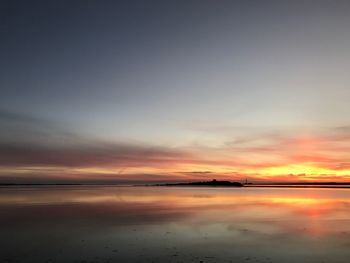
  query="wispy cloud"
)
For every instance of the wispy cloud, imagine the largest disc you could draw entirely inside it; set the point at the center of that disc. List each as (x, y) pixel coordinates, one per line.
(263, 156)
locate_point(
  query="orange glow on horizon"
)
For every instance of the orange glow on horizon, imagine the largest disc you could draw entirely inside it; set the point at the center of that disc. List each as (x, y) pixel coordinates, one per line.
(280, 159)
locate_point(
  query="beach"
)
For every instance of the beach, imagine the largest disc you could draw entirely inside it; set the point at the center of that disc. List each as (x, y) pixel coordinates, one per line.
(162, 224)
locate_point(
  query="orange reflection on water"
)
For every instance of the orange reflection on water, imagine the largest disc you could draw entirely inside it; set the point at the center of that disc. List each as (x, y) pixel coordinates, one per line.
(311, 212)
(224, 220)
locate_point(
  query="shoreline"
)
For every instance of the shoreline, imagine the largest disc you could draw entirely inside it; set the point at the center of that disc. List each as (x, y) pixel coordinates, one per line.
(307, 185)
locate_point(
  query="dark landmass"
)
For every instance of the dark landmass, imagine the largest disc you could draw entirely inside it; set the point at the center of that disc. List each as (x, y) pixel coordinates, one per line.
(206, 183)
(301, 183)
(36, 184)
(262, 184)
(212, 183)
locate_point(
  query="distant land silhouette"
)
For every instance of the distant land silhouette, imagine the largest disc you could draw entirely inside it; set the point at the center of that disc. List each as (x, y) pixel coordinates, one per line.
(211, 183)
(205, 183)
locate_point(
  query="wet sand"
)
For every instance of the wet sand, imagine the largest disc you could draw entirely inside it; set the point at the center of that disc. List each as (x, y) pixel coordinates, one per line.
(154, 224)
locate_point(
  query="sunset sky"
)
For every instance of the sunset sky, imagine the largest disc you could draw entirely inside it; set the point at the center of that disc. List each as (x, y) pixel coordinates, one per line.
(153, 91)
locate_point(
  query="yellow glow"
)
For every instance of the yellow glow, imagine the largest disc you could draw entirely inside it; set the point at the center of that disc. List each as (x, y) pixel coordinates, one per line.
(303, 169)
(190, 171)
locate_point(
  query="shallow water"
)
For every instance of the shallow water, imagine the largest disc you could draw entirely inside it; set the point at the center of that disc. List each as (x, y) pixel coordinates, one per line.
(173, 224)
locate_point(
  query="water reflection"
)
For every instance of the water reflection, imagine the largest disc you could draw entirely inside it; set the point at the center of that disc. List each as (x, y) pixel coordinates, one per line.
(155, 224)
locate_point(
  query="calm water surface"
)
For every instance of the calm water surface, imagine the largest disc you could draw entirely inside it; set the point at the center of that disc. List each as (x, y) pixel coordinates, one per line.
(174, 224)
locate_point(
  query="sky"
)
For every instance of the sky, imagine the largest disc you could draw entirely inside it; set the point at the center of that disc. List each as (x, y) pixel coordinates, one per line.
(158, 91)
